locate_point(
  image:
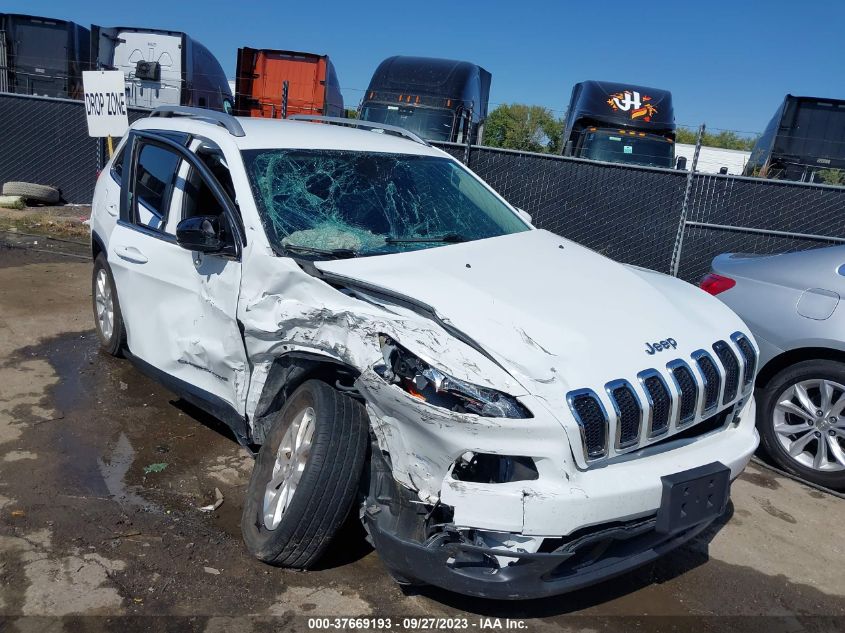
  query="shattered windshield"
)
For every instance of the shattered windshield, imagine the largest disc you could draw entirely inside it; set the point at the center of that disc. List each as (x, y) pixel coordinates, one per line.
(363, 203)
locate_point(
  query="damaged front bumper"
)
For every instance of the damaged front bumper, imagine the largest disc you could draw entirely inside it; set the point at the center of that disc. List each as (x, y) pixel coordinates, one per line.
(560, 530)
(474, 570)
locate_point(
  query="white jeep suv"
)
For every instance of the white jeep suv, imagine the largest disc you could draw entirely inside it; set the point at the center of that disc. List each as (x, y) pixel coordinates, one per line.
(511, 414)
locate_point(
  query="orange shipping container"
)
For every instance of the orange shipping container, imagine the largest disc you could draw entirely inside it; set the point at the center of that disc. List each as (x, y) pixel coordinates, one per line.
(313, 87)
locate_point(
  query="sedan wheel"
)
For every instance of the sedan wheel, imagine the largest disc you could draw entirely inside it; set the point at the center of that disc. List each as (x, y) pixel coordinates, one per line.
(801, 420)
(809, 420)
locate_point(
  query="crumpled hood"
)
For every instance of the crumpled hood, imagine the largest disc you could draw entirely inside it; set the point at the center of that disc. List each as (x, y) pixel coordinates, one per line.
(557, 316)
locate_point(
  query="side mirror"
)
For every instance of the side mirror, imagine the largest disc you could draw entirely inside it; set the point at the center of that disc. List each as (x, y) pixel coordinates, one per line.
(524, 215)
(681, 163)
(201, 233)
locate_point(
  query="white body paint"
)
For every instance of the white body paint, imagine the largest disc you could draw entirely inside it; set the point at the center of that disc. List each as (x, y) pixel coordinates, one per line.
(550, 316)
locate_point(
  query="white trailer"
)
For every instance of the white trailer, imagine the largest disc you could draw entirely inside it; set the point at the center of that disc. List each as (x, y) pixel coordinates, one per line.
(712, 159)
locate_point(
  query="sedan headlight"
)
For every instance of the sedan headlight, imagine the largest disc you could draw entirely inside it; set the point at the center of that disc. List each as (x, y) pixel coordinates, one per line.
(431, 385)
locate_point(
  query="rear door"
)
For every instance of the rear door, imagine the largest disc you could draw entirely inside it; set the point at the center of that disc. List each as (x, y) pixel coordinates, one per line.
(179, 306)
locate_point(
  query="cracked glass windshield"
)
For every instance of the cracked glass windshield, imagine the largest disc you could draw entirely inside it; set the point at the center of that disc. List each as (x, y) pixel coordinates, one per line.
(344, 203)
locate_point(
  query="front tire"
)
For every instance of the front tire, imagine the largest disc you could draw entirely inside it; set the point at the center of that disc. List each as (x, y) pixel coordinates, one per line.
(107, 316)
(801, 420)
(305, 477)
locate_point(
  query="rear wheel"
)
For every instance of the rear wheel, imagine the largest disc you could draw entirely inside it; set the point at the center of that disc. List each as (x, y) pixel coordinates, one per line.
(306, 476)
(107, 316)
(802, 421)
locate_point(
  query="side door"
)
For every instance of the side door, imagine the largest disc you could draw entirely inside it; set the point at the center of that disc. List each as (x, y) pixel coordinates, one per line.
(179, 305)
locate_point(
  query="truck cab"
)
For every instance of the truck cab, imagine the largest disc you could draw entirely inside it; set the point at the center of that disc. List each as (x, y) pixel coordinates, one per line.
(42, 56)
(437, 99)
(620, 123)
(260, 91)
(162, 67)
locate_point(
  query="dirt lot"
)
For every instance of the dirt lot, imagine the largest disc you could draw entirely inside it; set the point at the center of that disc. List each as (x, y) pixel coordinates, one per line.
(102, 474)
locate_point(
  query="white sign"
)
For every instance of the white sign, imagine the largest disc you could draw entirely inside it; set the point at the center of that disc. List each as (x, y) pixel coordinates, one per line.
(105, 102)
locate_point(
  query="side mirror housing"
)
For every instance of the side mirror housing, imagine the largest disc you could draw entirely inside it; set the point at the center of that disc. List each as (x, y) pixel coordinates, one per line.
(681, 163)
(524, 215)
(201, 234)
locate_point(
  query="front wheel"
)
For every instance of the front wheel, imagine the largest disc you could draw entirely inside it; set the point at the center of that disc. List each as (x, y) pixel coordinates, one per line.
(801, 420)
(306, 476)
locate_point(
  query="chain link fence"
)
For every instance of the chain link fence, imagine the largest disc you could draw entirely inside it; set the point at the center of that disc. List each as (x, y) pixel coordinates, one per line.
(637, 215)
(45, 141)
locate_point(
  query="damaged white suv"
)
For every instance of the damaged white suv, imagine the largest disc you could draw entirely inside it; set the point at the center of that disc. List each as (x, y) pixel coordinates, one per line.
(511, 414)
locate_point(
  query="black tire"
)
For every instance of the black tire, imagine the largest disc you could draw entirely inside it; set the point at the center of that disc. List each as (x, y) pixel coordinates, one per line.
(767, 399)
(328, 485)
(31, 192)
(114, 343)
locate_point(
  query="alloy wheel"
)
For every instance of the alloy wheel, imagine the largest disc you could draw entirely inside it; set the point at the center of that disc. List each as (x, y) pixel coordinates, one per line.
(291, 458)
(809, 423)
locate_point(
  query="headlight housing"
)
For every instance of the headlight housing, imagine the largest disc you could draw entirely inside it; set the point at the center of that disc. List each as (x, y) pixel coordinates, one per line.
(431, 385)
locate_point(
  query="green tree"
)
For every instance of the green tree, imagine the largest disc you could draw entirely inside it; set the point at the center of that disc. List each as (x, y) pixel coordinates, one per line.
(350, 114)
(529, 128)
(726, 139)
(831, 176)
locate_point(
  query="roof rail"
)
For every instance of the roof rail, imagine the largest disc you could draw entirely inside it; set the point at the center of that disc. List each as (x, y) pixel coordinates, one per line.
(201, 114)
(369, 125)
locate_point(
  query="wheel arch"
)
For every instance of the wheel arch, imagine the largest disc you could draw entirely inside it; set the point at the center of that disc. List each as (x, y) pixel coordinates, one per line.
(286, 374)
(793, 356)
(97, 245)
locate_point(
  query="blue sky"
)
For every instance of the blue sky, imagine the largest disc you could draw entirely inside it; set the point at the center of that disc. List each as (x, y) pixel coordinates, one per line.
(728, 64)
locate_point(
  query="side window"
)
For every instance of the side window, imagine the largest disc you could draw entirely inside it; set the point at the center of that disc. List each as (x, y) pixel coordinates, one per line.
(117, 165)
(154, 179)
(192, 196)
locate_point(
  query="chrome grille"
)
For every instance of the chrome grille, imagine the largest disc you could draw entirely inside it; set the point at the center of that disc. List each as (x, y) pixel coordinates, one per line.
(658, 399)
(688, 390)
(658, 407)
(629, 413)
(731, 365)
(712, 381)
(749, 359)
(591, 417)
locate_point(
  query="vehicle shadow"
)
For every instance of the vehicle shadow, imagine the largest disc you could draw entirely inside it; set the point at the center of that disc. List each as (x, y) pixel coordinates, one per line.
(348, 546)
(676, 563)
(206, 419)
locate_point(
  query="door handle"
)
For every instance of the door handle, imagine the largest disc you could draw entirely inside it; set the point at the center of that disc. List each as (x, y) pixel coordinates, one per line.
(131, 254)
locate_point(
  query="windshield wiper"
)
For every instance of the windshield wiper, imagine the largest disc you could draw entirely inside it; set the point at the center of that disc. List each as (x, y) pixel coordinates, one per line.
(336, 253)
(451, 238)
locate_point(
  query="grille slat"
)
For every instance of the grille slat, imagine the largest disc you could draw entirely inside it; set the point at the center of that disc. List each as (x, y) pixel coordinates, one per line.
(712, 380)
(661, 403)
(628, 411)
(593, 422)
(731, 365)
(749, 359)
(688, 390)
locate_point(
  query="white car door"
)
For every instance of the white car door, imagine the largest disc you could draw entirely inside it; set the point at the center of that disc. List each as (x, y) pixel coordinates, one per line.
(179, 305)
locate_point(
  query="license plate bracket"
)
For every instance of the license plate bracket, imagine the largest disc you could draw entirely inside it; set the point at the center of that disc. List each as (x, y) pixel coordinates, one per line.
(693, 496)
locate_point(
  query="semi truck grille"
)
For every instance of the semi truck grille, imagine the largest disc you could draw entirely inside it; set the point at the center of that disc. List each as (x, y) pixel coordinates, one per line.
(731, 365)
(660, 408)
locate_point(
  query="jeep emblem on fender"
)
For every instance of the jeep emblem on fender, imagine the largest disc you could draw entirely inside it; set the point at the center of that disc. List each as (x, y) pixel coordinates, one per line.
(659, 346)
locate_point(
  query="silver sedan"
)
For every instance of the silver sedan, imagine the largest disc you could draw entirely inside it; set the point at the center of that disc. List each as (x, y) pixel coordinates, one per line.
(792, 303)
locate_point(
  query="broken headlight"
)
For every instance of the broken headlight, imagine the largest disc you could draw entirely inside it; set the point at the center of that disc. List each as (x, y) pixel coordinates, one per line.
(431, 385)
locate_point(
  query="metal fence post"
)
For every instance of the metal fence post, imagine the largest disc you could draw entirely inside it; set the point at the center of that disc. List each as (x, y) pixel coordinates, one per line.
(682, 223)
(285, 99)
(468, 138)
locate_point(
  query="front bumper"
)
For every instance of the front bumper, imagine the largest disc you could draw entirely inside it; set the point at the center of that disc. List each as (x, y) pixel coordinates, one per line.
(471, 570)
